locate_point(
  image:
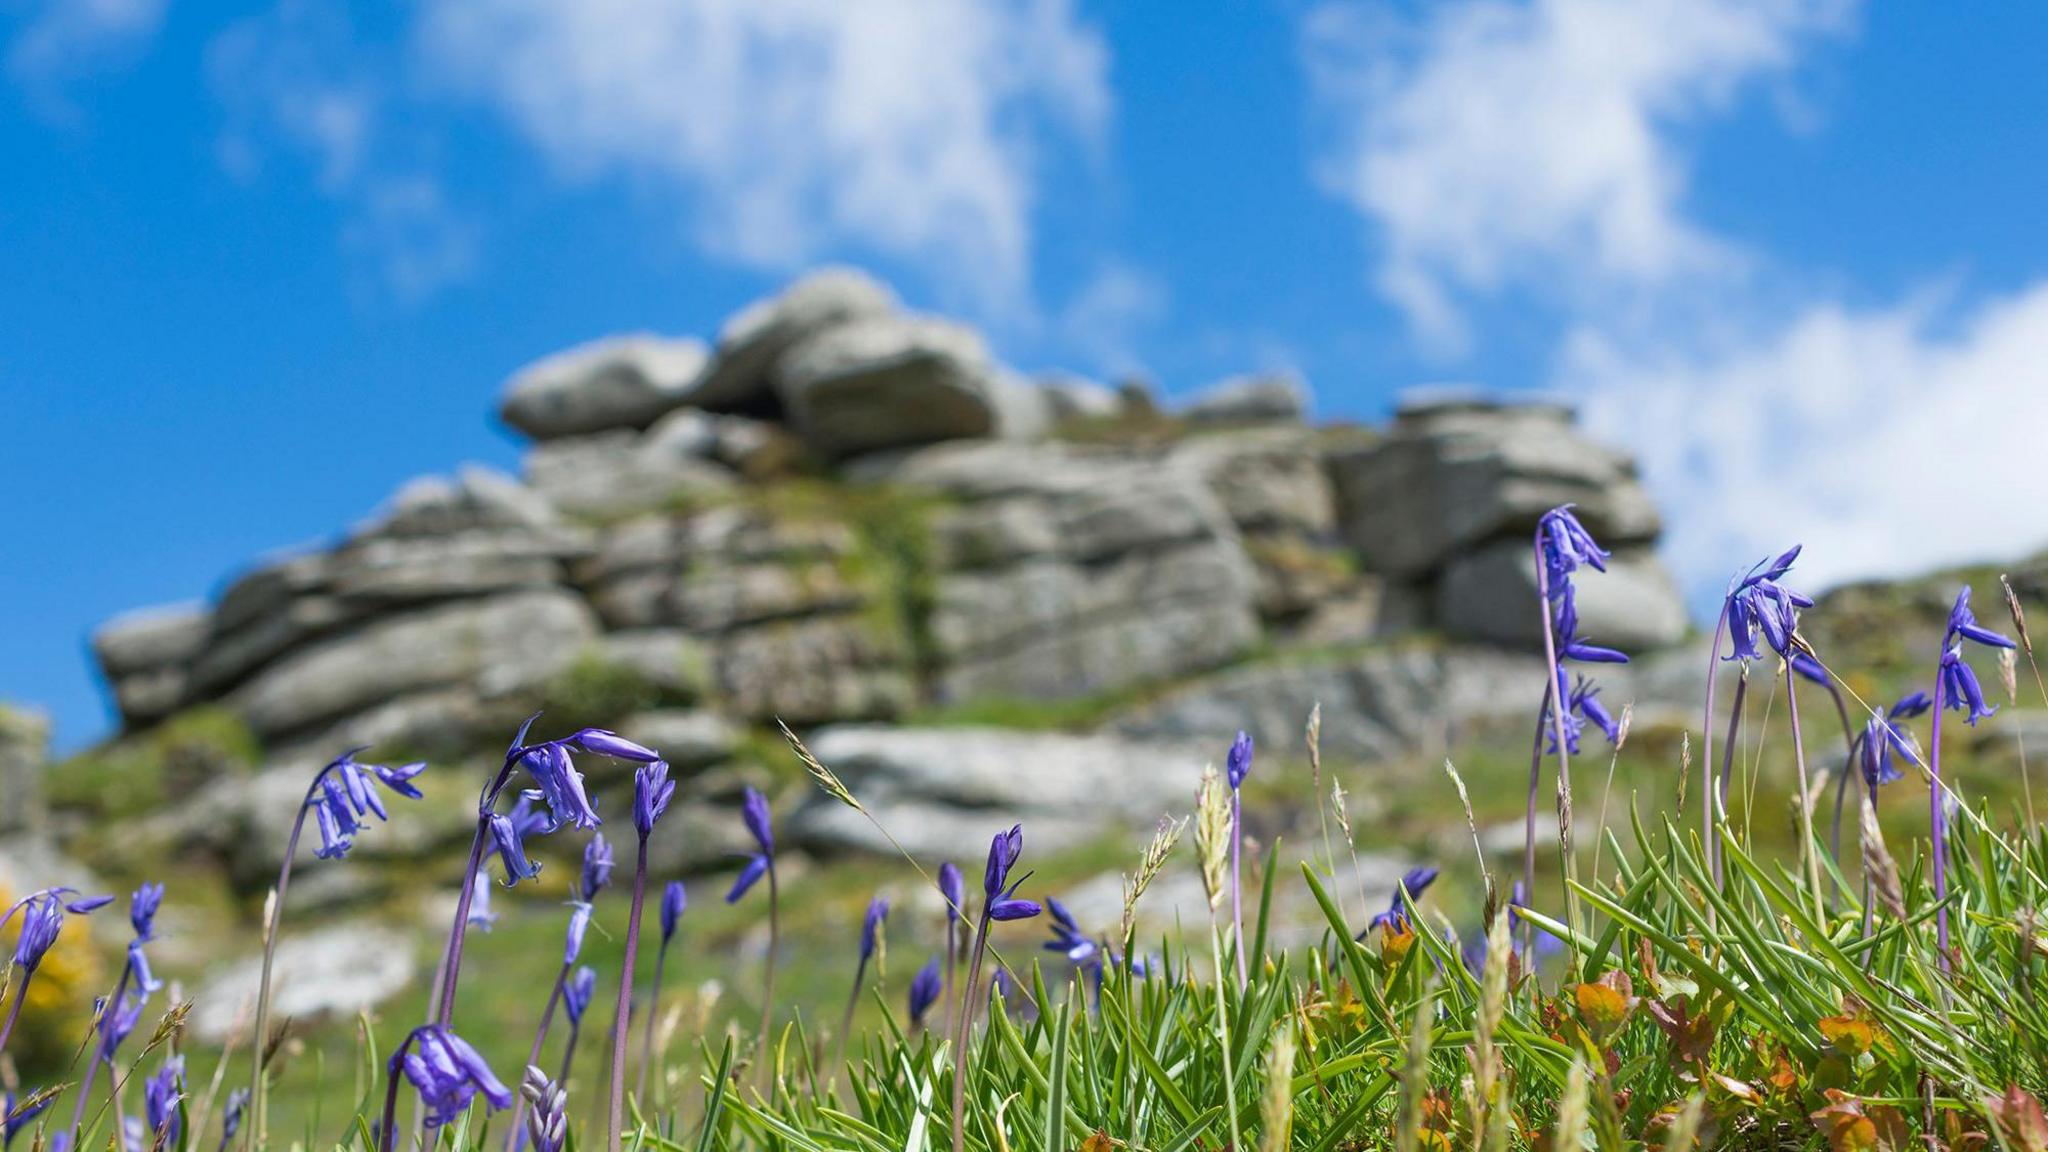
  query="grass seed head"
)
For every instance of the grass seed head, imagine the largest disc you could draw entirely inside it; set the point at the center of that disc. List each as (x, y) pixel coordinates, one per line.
(1212, 835)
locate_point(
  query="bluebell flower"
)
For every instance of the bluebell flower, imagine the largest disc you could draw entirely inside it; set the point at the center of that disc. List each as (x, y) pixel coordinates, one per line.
(1882, 737)
(924, 990)
(597, 868)
(1583, 706)
(448, 1075)
(1962, 625)
(138, 963)
(16, 1114)
(1002, 903)
(674, 899)
(231, 1119)
(871, 926)
(604, 742)
(1809, 668)
(1414, 882)
(160, 1096)
(579, 923)
(118, 1020)
(1570, 645)
(953, 887)
(480, 914)
(530, 817)
(41, 920)
(1566, 546)
(577, 993)
(1067, 938)
(1959, 685)
(1238, 763)
(547, 1114)
(142, 909)
(561, 788)
(348, 794)
(1757, 603)
(755, 815)
(512, 853)
(652, 790)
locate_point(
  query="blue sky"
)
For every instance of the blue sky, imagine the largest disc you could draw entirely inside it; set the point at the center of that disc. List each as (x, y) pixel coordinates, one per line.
(268, 260)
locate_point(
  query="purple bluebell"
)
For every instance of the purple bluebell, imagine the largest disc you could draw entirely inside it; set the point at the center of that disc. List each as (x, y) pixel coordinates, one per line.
(1237, 764)
(652, 790)
(871, 926)
(604, 742)
(674, 899)
(41, 920)
(1583, 706)
(345, 794)
(529, 816)
(1758, 603)
(1002, 903)
(597, 868)
(142, 909)
(16, 1114)
(160, 1096)
(480, 914)
(138, 964)
(1067, 938)
(1809, 668)
(560, 784)
(1414, 882)
(231, 1119)
(448, 1074)
(1566, 546)
(511, 853)
(953, 887)
(1960, 689)
(1962, 625)
(579, 924)
(118, 1020)
(1570, 646)
(547, 1117)
(576, 993)
(924, 990)
(1882, 737)
(755, 815)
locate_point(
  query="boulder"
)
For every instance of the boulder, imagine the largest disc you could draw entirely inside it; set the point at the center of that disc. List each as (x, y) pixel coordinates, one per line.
(146, 658)
(476, 497)
(1075, 398)
(335, 971)
(499, 644)
(889, 382)
(943, 791)
(611, 474)
(740, 378)
(1262, 398)
(1268, 479)
(24, 750)
(1453, 474)
(814, 671)
(1490, 595)
(672, 661)
(687, 739)
(617, 382)
(1166, 642)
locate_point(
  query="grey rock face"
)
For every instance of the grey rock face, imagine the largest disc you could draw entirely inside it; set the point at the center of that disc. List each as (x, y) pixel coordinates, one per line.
(1490, 595)
(1075, 398)
(739, 379)
(330, 972)
(1267, 478)
(24, 748)
(669, 659)
(944, 791)
(618, 382)
(609, 474)
(500, 644)
(1452, 476)
(888, 382)
(813, 671)
(688, 740)
(145, 656)
(1258, 399)
(475, 498)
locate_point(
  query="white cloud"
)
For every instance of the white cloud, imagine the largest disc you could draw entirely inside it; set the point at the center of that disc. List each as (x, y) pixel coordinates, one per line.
(1499, 145)
(57, 41)
(1887, 442)
(1108, 315)
(910, 128)
(295, 80)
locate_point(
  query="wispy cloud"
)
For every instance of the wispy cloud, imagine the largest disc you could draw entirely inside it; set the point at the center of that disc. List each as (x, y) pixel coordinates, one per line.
(295, 82)
(1109, 316)
(56, 43)
(792, 129)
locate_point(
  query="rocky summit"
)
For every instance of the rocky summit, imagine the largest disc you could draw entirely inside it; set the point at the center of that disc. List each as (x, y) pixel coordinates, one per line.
(856, 520)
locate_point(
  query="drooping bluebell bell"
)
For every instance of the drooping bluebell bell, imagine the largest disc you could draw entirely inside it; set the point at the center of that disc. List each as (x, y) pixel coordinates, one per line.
(871, 926)
(1960, 690)
(1882, 738)
(924, 990)
(160, 1096)
(142, 909)
(231, 1118)
(448, 1074)
(1570, 645)
(1582, 706)
(480, 914)
(1810, 669)
(1002, 903)
(1415, 881)
(576, 993)
(755, 815)
(41, 921)
(674, 899)
(1565, 547)
(511, 852)
(652, 790)
(1067, 938)
(953, 887)
(118, 1020)
(597, 868)
(17, 1114)
(343, 797)
(579, 924)
(1757, 603)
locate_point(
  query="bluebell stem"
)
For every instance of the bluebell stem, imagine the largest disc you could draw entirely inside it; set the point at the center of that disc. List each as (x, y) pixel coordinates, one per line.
(674, 899)
(755, 815)
(447, 1073)
(231, 1118)
(16, 1114)
(870, 935)
(652, 790)
(42, 919)
(1955, 687)
(925, 989)
(1562, 546)
(119, 1013)
(999, 903)
(1237, 764)
(953, 889)
(1734, 620)
(547, 1117)
(340, 795)
(161, 1094)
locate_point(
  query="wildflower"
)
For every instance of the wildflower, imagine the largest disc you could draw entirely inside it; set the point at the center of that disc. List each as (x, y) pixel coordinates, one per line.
(1237, 764)
(674, 899)
(1809, 668)
(1002, 903)
(870, 938)
(1959, 683)
(597, 868)
(17, 1114)
(924, 990)
(231, 1119)
(1413, 882)
(952, 886)
(480, 914)
(447, 1073)
(604, 742)
(871, 925)
(652, 790)
(561, 786)
(160, 1097)
(41, 921)
(505, 840)
(1565, 545)
(142, 909)
(1757, 603)
(754, 813)
(341, 797)
(576, 993)
(1881, 738)
(1067, 938)
(118, 1020)
(547, 1118)
(1570, 645)
(579, 923)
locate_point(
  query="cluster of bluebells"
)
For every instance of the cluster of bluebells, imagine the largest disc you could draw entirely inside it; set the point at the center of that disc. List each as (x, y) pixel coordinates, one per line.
(1758, 605)
(1958, 683)
(558, 797)
(754, 813)
(1564, 547)
(1882, 738)
(1001, 892)
(448, 1074)
(42, 920)
(347, 795)
(161, 1095)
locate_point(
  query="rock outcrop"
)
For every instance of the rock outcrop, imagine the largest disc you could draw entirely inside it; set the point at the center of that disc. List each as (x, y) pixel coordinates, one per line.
(844, 513)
